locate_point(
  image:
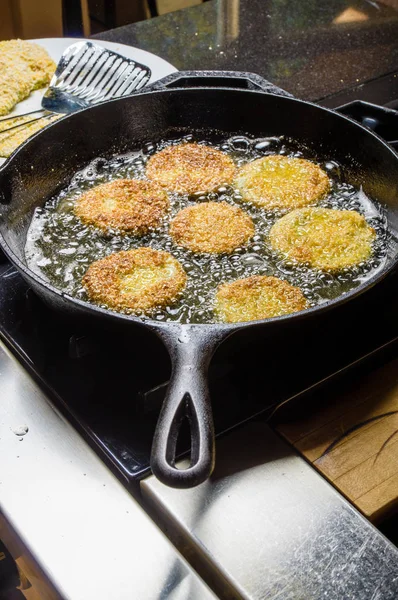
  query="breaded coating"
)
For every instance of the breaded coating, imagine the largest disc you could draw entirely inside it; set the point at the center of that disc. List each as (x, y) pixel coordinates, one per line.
(135, 281)
(128, 205)
(190, 168)
(323, 238)
(10, 140)
(257, 297)
(280, 182)
(213, 227)
(24, 67)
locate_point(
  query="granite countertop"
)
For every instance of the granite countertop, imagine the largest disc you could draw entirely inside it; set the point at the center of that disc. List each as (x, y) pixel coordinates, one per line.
(311, 48)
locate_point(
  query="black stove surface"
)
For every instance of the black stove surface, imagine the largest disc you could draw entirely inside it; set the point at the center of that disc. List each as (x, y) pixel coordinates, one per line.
(111, 384)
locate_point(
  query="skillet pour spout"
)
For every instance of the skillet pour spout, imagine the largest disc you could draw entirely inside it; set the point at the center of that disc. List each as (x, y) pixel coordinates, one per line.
(191, 348)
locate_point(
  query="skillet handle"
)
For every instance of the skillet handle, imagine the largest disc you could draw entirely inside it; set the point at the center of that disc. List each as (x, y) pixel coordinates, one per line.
(188, 398)
(217, 79)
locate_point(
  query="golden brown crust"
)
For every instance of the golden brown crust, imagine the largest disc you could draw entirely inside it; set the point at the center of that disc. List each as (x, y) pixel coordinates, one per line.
(129, 205)
(257, 297)
(135, 281)
(323, 238)
(24, 67)
(213, 227)
(281, 182)
(190, 168)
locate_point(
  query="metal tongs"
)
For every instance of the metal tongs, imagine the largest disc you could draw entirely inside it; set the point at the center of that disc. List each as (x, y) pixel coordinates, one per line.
(86, 75)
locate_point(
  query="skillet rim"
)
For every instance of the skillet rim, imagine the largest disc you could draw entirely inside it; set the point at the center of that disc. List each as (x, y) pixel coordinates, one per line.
(222, 327)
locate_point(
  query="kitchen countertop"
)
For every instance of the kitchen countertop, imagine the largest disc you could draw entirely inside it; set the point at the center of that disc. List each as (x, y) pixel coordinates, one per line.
(86, 532)
(351, 435)
(311, 48)
(270, 528)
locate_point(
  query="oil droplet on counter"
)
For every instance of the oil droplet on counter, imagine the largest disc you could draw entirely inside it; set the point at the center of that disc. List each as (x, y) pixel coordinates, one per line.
(21, 430)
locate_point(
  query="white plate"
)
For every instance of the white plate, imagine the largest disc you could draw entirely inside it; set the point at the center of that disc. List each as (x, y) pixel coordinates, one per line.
(56, 46)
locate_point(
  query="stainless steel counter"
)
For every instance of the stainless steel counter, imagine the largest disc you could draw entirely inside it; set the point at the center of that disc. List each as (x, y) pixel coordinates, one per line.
(89, 535)
(269, 526)
(265, 526)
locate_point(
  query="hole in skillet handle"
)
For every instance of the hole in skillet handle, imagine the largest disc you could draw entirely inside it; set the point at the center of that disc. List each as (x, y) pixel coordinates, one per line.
(217, 79)
(191, 349)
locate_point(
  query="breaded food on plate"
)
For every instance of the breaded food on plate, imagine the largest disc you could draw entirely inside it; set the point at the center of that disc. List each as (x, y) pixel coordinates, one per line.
(128, 205)
(135, 281)
(257, 297)
(24, 67)
(323, 238)
(10, 140)
(189, 168)
(211, 227)
(278, 182)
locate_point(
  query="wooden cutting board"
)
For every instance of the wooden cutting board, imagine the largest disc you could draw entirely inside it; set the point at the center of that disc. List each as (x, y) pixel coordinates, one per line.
(349, 432)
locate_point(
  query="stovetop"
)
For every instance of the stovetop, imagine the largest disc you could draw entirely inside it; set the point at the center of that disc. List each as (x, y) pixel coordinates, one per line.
(111, 384)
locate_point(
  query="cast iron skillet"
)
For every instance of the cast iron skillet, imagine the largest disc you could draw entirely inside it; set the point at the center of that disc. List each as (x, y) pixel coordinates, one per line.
(233, 103)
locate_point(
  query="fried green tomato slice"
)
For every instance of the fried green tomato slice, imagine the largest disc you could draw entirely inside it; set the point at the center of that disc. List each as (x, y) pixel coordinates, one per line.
(257, 297)
(135, 281)
(323, 238)
(190, 168)
(128, 205)
(211, 227)
(279, 182)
